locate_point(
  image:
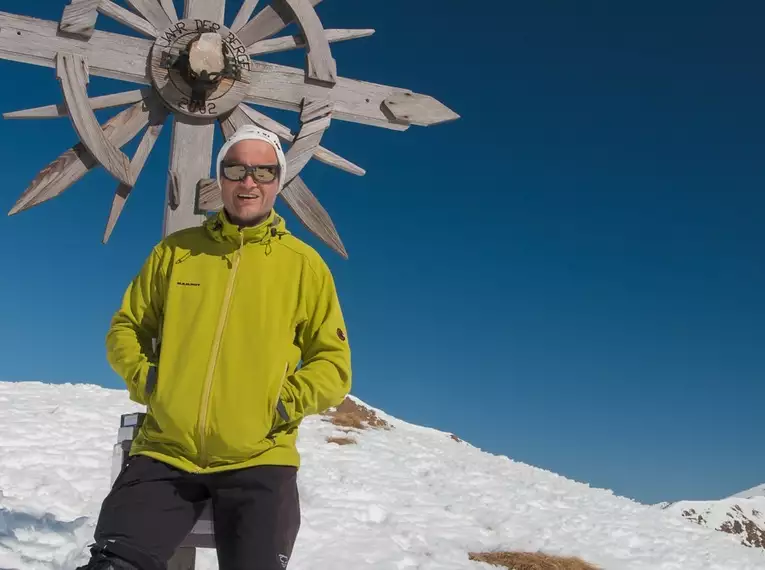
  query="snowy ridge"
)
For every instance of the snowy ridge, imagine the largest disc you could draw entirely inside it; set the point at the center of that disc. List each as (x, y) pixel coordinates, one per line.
(744, 518)
(399, 498)
(758, 491)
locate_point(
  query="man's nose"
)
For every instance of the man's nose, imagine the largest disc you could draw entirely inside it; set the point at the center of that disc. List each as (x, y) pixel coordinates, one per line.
(249, 180)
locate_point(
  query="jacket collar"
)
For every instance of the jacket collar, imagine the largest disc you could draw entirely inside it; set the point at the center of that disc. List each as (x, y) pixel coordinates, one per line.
(221, 228)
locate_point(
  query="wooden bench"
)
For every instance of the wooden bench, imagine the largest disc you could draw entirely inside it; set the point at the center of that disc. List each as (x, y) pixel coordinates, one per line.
(201, 536)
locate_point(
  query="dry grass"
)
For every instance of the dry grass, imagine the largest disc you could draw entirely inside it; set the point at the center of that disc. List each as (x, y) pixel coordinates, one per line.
(341, 440)
(349, 414)
(531, 561)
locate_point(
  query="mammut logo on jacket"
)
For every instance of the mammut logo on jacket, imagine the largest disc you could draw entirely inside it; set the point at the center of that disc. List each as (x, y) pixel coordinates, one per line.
(188, 284)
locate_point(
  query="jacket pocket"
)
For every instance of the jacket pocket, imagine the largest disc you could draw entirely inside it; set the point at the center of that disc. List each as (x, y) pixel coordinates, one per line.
(151, 382)
(280, 416)
(282, 411)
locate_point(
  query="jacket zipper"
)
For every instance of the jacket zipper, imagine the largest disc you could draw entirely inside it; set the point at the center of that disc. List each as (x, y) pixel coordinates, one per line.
(205, 405)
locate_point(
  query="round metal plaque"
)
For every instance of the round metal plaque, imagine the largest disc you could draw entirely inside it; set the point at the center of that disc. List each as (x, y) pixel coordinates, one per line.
(182, 87)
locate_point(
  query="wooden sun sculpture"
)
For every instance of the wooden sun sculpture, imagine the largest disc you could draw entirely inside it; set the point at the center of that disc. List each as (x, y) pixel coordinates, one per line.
(198, 71)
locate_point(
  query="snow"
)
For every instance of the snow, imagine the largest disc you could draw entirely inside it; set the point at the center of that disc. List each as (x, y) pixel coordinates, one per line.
(758, 491)
(408, 497)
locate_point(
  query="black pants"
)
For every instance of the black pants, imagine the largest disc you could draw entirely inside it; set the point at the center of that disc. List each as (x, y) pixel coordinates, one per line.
(152, 507)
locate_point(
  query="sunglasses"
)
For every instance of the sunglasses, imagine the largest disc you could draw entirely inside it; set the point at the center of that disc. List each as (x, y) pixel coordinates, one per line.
(263, 173)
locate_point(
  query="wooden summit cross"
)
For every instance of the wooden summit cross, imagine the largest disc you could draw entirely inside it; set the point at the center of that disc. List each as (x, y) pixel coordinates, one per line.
(197, 71)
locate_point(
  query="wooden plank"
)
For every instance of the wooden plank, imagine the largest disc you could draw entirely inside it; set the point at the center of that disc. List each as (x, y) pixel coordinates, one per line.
(191, 153)
(79, 18)
(315, 119)
(314, 110)
(190, 160)
(285, 87)
(417, 109)
(102, 102)
(287, 43)
(212, 10)
(127, 18)
(321, 65)
(169, 7)
(77, 161)
(270, 20)
(283, 132)
(313, 215)
(72, 74)
(35, 41)
(122, 193)
(243, 15)
(152, 12)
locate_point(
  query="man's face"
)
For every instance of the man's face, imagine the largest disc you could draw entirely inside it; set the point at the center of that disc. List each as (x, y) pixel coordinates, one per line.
(246, 201)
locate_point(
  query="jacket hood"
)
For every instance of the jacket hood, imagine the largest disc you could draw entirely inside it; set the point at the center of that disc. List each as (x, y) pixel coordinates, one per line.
(220, 228)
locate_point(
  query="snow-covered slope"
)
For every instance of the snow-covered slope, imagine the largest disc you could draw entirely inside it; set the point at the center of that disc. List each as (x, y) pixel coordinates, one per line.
(743, 518)
(758, 491)
(399, 498)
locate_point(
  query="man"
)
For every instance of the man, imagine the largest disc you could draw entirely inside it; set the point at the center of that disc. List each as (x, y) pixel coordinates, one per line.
(230, 334)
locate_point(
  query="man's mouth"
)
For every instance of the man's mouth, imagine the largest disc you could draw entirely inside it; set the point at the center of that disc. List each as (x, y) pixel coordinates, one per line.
(247, 196)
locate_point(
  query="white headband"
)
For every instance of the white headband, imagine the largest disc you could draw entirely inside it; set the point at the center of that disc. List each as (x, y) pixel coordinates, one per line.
(251, 132)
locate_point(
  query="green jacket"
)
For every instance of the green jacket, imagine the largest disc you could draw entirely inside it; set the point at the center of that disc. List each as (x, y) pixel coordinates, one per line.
(230, 338)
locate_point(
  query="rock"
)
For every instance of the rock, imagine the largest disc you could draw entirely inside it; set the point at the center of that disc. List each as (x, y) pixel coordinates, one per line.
(206, 54)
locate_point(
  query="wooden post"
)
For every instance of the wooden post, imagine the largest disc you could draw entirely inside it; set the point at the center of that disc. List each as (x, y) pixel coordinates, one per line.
(191, 159)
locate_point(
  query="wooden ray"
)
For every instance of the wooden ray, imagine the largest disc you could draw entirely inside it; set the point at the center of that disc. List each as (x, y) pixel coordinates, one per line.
(235, 119)
(417, 109)
(79, 18)
(169, 8)
(269, 21)
(283, 132)
(127, 18)
(285, 87)
(287, 43)
(35, 41)
(212, 10)
(72, 73)
(122, 193)
(102, 102)
(243, 15)
(152, 11)
(309, 210)
(77, 161)
(321, 66)
(315, 119)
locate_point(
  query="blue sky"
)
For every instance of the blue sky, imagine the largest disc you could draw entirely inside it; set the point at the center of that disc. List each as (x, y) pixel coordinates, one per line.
(572, 274)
